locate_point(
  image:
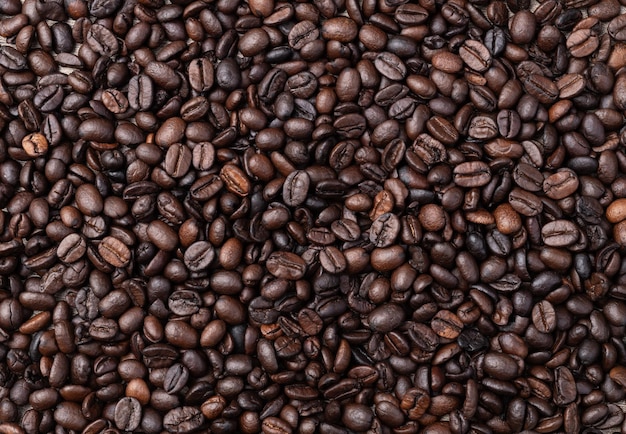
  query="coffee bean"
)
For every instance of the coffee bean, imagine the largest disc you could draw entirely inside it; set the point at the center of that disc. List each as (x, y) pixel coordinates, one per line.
(235, 180)
(295, 188)
(560, 233)
(564, 386)
(35, 144)
(183, 420)
(544, 317)
(541, 88)
(386, 318)
(501, 366)
(384, 230)
(274, 425)
(522, 27)
(472, 174)
(286, 265)
(475, 55)
(616, 28)
(72, 248)
(340, 29)
(178, 160)
(89, 200)
(115, 101)
(561, 184)
(302, 33)
(128, 414)
(390, 65)
(114, 252)
(446, 324)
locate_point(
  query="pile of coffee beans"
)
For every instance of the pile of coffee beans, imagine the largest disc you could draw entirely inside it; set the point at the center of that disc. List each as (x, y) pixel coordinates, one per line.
(331, 216)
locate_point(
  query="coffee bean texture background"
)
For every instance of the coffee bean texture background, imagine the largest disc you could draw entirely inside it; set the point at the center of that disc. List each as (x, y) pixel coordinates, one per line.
(327, 216)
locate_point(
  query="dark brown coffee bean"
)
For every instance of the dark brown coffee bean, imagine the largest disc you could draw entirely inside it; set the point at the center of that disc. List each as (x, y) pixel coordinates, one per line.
(472, 174)
(544, 317)
(475, 55)
(275, 425)
(501, 366)
(528, 177)
(390, 65)
(114, 252)
(128, 414)
(386, 318)
(235, 180)
(332, 260)
(140, 92)
(446, 324)
(68, 415)
(72, 248)
(178, 160)
(522, 27)
(561, 184)
(303, 33)
(541, 88)
(560, 233)
(102, 40)
(286, 265)
(183, 420)
(296, 187)
(89, 200)
(115, 101)
(384, 230)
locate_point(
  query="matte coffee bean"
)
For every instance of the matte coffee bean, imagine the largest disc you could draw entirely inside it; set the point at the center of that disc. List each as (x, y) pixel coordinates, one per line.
(616, 28)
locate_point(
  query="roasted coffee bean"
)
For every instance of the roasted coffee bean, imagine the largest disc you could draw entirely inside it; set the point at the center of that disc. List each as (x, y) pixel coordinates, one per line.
(177, 160)
(560, 233)
(295, 188)
(386, 318)
(183, 420)
(114, 252)
(544, 317)
(128, 414)
(472, 174)
(35, 144)
(286, 265)
(475, 55)
(561, 184)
